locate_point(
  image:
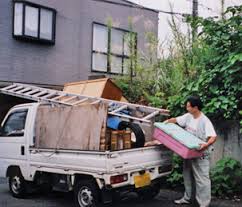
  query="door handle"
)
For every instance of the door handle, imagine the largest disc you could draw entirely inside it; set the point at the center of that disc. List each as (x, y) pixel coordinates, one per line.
(22, 150)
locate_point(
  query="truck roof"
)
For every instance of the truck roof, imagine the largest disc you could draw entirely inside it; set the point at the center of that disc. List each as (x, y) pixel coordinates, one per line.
(36, 104)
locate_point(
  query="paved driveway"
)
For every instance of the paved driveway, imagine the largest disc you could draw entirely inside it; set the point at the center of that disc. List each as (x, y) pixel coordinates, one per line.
(165, 199)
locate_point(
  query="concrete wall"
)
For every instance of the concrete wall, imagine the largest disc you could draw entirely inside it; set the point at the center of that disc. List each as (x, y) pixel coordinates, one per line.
(70, 58)
(229, 142)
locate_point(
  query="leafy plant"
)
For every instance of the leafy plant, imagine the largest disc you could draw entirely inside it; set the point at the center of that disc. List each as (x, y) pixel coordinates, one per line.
(175, 179)
(240, 112)
(226, 177)
(219, 83)
(158, 78)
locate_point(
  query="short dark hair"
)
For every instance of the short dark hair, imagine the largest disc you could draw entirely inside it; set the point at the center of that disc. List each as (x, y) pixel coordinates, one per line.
(195, 101)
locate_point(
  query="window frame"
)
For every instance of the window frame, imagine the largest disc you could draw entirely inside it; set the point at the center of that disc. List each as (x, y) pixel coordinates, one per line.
(109, 52)
(9, 115)
(25, 37)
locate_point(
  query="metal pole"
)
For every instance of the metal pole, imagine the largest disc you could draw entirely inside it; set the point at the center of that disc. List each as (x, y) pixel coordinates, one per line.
(194, 15)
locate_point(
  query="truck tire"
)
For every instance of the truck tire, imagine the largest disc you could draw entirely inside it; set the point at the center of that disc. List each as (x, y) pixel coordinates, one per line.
(17, 185)
(86, 194)
(136, 129)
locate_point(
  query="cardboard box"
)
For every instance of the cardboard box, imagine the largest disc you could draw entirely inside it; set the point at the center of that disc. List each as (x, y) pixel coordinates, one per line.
(100, 88)
(119, 139)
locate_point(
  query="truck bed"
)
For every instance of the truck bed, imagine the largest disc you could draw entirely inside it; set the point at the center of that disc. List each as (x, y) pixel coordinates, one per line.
(100, 162)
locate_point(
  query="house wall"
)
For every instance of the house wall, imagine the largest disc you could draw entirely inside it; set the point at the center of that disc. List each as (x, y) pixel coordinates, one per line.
(70, 58)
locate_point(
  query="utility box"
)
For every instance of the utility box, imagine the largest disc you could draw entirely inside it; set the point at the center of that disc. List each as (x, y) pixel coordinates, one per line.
(101, 88)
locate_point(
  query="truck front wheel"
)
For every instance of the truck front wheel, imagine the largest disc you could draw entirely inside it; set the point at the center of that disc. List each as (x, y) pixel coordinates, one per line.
(17, 185)
(86, 194)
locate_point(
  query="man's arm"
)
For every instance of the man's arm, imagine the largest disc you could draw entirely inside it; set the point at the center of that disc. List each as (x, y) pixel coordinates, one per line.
(171, 120)
(210, 141)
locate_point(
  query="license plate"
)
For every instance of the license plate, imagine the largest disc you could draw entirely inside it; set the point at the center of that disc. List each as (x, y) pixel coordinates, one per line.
(142, 180)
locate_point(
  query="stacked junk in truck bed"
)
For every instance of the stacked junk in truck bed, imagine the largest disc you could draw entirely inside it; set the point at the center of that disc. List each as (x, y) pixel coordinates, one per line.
(97, 123)
(88, 123)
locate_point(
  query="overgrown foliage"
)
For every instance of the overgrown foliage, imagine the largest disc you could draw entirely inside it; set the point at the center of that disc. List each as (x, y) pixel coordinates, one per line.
(175, 179)
(219, 83)
(226, 177)
(240, 112)
(157, 79)
(144, 84)
(210, 66)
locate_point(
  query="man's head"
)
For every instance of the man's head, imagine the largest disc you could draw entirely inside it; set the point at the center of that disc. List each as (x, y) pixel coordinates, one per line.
(194, 104)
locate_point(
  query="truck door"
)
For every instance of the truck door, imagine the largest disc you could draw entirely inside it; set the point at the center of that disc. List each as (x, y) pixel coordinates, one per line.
(12, 140)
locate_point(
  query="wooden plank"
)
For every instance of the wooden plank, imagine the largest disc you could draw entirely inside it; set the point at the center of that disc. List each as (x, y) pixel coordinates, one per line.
(65, 128)
(111, 91)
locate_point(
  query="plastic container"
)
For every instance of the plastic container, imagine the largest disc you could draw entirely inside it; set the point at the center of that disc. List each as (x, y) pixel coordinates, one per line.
(186, 149)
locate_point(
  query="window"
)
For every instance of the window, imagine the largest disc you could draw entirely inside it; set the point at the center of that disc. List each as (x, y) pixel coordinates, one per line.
(14, 126)
(112, 49)
(33, 22)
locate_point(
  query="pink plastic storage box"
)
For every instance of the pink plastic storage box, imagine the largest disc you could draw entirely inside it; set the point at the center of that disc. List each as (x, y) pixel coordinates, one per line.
(178, 140)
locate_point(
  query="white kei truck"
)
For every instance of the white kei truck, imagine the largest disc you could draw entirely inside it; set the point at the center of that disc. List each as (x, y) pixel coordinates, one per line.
(94, 176)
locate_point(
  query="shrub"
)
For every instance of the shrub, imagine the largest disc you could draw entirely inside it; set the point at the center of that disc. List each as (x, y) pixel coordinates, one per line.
(175, 179)
(226, 177)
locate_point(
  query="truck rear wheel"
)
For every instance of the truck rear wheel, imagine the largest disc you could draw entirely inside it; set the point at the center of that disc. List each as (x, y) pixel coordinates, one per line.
(86, 194)
(17, 185)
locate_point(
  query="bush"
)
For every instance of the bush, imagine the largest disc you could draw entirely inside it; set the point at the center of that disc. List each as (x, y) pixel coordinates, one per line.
(175, 179)
(219, 83)
(226, 177)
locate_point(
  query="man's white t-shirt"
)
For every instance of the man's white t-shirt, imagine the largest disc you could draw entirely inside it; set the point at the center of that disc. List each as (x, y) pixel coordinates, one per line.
(201, 127)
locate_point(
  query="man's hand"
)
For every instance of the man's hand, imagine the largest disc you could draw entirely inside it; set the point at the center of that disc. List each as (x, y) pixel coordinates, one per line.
(203, 146)
(210, 141)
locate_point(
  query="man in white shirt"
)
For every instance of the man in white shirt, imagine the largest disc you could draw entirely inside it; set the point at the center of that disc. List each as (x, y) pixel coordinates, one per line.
(198, 124)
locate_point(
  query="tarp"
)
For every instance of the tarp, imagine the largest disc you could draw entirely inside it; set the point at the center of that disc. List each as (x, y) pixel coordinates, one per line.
(66, 127)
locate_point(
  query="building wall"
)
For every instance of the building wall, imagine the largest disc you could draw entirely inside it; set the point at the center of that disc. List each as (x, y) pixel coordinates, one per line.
(70, 58)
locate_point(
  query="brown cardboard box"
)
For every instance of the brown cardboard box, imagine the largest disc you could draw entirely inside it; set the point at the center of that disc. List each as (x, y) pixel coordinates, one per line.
(100, 88)
(119, 139)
